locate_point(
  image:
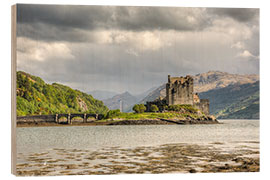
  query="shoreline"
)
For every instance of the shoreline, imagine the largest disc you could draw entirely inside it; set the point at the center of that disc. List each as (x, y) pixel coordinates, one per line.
(123, 122)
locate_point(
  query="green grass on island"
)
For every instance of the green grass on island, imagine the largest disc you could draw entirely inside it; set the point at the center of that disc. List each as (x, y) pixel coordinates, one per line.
(183, 111)
(149, 115)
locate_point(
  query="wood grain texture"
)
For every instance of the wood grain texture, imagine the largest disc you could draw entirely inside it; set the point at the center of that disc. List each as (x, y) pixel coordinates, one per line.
(13, 88)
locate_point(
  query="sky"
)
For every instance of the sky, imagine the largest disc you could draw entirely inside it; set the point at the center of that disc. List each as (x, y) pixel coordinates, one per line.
(120, 48)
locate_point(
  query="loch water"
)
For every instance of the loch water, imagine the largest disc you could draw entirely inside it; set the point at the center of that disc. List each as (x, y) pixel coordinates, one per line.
(39, 139)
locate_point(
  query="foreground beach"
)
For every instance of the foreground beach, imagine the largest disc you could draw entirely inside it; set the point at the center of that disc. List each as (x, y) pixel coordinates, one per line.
(167, 158)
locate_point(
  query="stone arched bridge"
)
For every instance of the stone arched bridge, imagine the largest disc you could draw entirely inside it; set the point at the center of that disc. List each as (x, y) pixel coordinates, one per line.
(56, 118)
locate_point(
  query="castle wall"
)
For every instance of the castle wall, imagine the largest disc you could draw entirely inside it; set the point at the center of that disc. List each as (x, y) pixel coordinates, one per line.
(203, 105)
(179, 90)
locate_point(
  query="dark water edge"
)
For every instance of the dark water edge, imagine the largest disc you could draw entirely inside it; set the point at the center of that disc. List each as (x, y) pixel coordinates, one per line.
(130, 122)
(240, 119)
(123, 122)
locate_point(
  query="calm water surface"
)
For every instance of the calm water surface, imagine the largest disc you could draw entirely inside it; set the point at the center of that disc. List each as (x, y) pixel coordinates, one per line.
(40, 139)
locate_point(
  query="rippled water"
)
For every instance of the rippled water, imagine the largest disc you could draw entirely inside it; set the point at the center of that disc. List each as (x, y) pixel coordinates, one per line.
(40, 139)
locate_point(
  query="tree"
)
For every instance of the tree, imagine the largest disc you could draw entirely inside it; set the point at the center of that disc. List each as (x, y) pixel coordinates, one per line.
(154, 108)
(136, 108)
(112, 113)
(35, 96)
(142, 108)
(139, 108)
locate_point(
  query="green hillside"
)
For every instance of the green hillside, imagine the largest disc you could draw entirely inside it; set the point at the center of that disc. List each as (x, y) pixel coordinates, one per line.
(235, 101)
(34, 96)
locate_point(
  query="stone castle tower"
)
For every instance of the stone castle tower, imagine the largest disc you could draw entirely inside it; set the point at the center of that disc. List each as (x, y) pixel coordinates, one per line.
(179, 90)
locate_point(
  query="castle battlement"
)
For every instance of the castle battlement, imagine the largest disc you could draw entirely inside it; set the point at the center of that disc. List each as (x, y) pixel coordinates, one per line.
(180, 80)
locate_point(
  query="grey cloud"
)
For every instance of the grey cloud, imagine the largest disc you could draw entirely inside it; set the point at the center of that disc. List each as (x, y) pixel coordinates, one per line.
(63, 15)
(162, 18)
(108, 67)
(43, 32)
(239, 14)
(52, 22)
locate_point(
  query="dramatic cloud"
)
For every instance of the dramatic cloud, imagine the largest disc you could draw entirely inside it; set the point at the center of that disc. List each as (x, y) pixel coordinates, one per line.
(111, 17)
(40, 51)
(134, 48)
(239, 14)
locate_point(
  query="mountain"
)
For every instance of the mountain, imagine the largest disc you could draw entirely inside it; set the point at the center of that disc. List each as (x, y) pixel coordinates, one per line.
(216, 79)
(34, 96)
(126, 98)
(160, 91)
(236, 101)
(144, 94)
(207, 81)
(230, 95)
(101, 95)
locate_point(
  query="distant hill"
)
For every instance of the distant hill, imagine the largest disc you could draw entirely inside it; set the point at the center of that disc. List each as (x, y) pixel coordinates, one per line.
(237, 101)
(101, 95)
(144, 94)
(34, 96)
(215, 83)
(207, 81)
(158, 92)
(126, 98)
(216, 79)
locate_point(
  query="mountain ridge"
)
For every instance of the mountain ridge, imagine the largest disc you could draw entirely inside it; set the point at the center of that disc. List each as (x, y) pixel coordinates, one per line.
(128, 100)
(102, 95)
(236, 101)
(207, 81)
(216, 82)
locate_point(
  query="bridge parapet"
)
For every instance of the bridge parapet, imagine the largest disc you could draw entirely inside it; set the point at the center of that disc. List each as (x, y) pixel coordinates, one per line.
(56, 118)
(36, 119)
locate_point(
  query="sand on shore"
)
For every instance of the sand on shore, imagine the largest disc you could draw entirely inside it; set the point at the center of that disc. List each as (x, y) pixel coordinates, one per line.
(167, 158)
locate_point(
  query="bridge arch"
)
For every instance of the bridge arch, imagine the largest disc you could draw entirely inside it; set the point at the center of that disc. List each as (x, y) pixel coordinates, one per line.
(59, 118)
(74, 116)
(70, 117)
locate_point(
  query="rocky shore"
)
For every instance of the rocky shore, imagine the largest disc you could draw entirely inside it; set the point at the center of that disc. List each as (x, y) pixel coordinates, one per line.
(118, 121)
(167, 158)
(188, 120)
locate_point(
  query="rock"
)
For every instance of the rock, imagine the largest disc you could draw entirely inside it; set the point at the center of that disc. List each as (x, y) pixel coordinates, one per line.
(199, 113)
(192, 171)
(213, 118)
(237, 160)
